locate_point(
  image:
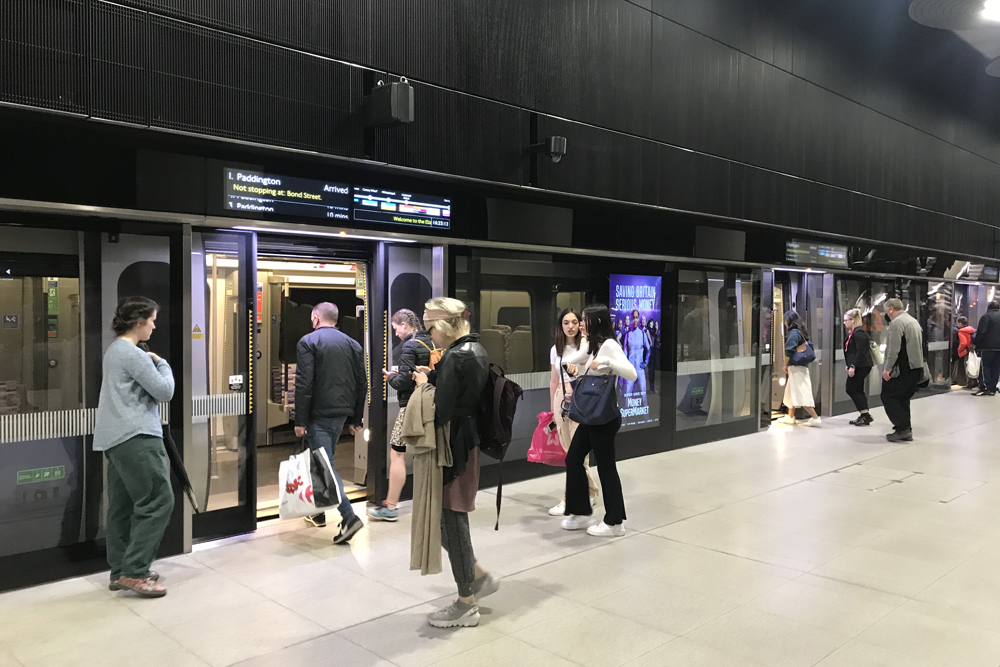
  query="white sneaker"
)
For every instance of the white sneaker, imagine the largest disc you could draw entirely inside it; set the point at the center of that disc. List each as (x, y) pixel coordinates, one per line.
(577, 522)
(788, 419)
(558, 510)
(813, 421)
(604, 530)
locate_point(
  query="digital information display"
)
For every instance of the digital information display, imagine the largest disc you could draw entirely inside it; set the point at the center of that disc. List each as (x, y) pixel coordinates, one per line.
(804, 253)
(401, 208)
(252, 192)
(636, 316)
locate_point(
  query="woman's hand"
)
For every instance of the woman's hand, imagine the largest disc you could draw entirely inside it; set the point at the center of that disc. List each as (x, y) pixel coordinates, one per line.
(785, 369)
(423, 369)
(593, 365)
(419, 377)
(572, 370)
(387, 373)
(155, 357)
(850, 371)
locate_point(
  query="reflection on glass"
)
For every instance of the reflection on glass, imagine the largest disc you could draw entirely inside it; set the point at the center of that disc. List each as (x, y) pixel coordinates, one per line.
(716, 350)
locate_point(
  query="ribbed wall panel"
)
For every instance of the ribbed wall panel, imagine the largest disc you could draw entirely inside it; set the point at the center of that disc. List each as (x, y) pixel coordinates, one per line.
(43, 53)
(55, 424)
(207, 81)
(119, 81)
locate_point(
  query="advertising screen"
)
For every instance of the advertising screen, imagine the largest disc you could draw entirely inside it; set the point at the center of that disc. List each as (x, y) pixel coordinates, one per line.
(254, 193)
(401, 208)
(635, 310)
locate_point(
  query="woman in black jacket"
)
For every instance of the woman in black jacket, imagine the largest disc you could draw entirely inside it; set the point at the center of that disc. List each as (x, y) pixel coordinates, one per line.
(415, 352)
(458, 379)
(858, 356)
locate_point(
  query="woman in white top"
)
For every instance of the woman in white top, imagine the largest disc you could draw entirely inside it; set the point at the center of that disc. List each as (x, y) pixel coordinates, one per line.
(606, 357)
(570, 348)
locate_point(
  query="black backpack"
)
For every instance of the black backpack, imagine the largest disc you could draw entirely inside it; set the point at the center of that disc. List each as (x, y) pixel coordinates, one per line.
(497, 406)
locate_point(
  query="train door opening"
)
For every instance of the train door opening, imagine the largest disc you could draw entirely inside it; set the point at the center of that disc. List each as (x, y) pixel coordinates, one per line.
(252, 300)
(288, 289)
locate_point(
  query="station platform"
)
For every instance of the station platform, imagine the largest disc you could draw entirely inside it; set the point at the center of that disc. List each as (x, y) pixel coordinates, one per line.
(795, 546)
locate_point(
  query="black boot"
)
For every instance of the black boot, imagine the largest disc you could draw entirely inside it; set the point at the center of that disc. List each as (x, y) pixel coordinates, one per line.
(900, 436)
(860, 421)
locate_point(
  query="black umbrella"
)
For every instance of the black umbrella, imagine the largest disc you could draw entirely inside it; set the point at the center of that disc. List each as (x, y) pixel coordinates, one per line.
(177, 465)
(176, 462)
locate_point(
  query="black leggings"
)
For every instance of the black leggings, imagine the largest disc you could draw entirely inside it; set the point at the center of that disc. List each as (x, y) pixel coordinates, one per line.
(600, 439)
(457, 541)
(856, 388)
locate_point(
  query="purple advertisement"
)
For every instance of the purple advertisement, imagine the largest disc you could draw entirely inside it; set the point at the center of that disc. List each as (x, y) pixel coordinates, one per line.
(635, 310)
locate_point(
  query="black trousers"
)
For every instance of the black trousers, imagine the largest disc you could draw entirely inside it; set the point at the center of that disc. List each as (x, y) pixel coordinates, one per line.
(896, 395)
(600, 440)
(989, 370)
(856, 388)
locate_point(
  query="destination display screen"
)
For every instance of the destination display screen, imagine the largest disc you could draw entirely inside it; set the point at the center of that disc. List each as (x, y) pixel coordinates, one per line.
(401, 208)
(805, 253)
(253, 192)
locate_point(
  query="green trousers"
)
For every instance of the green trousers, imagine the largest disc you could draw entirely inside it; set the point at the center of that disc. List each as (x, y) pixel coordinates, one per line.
(140, 501)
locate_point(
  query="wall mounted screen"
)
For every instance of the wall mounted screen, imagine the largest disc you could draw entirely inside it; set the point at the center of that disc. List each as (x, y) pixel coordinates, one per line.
(635, 311)
(255, 193)
(805, 253)
(401, 208)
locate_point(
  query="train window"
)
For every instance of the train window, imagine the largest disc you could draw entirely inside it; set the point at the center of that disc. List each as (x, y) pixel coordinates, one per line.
(505, 328)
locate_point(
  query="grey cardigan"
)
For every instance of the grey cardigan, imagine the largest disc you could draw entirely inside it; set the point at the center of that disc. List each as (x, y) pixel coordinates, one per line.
(904, 325)
(131, 392)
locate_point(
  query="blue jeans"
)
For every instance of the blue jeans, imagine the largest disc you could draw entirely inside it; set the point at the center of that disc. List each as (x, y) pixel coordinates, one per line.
(325, 433)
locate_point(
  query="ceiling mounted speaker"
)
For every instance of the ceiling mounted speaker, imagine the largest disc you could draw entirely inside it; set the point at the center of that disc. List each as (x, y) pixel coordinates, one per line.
(993, 69)
(948, 14)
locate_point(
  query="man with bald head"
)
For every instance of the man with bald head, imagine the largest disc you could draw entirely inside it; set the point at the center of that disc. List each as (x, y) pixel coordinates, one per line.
(330, 391)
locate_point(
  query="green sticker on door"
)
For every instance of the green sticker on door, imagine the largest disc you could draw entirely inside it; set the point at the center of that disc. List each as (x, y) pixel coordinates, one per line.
(41, 475)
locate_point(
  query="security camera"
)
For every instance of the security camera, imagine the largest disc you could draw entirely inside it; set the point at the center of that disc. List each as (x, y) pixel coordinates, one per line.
(554, 147)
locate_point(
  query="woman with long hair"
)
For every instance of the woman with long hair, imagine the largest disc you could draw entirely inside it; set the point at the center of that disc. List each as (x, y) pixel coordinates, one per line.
(858, 357)
(415, 352)
(605, 357)
(571, 347)
(798, 386)
(459, 379)
(129, 432)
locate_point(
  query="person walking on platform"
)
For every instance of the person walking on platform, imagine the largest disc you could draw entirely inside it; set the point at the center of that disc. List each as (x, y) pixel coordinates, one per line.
(904, 366)
(571, 348)
(605, 357)
(129, 432)
(459, 380)
(415, 351)
(330, 391)
(987, 342)
(858, 357)
(798, 386)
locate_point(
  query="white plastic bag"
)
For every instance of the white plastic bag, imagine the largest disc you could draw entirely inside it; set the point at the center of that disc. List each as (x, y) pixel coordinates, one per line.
(972, 365)
(306, 485)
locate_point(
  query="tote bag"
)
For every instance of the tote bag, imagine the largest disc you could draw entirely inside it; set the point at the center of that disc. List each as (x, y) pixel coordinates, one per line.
(306, 485)
(972, 363)
(595, 400)
(546, 446)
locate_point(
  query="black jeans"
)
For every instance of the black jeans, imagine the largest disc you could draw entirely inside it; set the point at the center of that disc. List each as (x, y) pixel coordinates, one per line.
(896, 395)
(856, 388)
(989, 370)
(600, 439)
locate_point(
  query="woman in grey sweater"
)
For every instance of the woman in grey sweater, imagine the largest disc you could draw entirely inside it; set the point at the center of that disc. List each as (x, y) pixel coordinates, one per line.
(128, 431)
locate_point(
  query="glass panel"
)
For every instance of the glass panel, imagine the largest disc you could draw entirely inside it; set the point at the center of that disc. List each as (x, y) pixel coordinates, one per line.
(219, 364)
(938, 333)
(716, 349)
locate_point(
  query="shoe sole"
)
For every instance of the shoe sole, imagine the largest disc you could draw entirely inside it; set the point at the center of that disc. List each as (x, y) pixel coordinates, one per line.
(346, 537)
(464, 622)
(606, 535)
(584, 527)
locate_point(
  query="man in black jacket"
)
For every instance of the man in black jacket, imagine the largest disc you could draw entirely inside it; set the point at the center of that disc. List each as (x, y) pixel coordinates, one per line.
(330, 391)
(987, 342)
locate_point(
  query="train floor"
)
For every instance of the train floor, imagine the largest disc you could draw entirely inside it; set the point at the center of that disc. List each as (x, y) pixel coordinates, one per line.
(794, 546)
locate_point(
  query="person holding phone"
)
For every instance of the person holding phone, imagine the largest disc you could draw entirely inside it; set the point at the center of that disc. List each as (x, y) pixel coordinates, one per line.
(415, 352)
(128, 430)
(570, 348)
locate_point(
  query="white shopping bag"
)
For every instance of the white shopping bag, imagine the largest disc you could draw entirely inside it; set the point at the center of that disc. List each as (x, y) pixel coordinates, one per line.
(306, 485)
(972, 365)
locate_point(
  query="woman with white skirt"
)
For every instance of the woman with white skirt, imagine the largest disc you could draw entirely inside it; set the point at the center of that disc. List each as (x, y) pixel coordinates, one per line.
(798, 386)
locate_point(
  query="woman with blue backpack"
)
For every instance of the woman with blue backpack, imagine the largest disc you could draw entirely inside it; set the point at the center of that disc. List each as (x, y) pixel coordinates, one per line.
(798, 386)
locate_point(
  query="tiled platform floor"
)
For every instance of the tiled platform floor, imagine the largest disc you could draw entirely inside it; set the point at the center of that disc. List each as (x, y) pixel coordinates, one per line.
(796, 546)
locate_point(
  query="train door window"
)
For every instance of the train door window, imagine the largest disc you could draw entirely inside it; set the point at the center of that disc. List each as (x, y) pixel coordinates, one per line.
(505, 329)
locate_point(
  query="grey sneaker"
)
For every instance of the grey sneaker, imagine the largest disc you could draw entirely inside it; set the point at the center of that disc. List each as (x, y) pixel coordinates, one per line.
(485, 586)
(458, 615)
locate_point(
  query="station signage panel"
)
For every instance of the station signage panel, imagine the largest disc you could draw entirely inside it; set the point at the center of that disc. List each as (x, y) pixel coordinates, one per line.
(256, 194)
(806, 253)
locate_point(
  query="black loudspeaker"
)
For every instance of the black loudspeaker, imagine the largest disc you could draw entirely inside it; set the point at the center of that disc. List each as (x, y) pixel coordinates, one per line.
(389, 104)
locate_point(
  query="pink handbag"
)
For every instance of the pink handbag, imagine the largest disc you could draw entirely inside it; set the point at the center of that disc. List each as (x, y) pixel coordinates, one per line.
(546, 447)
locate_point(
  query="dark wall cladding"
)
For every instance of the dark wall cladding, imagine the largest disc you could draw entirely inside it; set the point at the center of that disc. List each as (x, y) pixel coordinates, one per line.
(844, 117)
